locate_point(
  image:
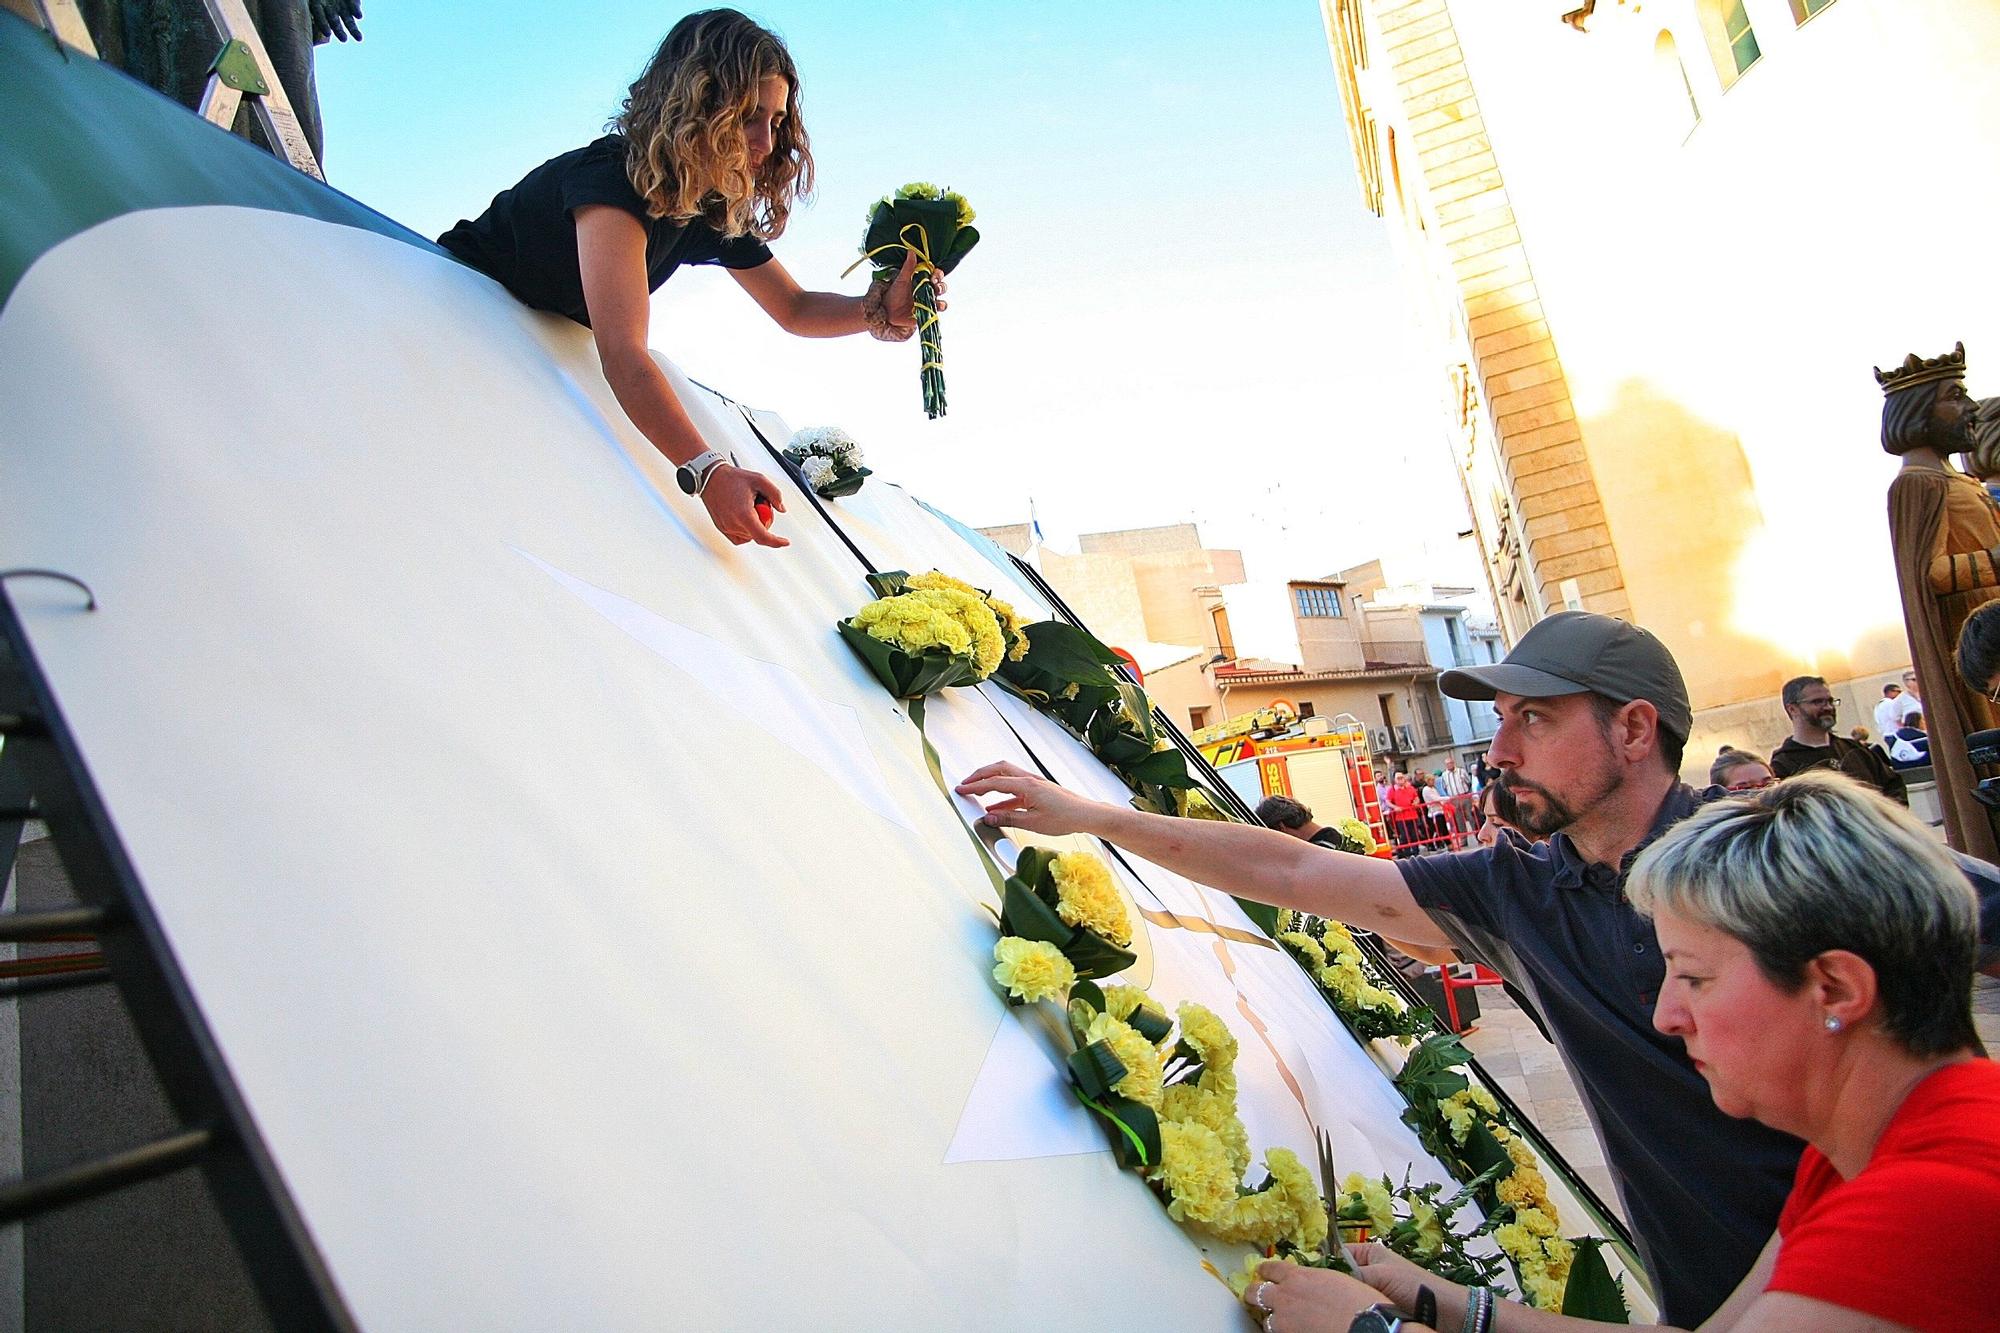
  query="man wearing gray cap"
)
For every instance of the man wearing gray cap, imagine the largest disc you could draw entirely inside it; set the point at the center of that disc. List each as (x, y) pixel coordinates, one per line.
(1593, 718)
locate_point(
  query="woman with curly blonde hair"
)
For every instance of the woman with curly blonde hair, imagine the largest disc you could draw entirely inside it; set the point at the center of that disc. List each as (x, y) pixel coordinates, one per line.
(702, 166)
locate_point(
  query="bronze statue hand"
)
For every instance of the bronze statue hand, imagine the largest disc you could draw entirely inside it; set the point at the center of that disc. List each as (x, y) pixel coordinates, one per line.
(335, 18)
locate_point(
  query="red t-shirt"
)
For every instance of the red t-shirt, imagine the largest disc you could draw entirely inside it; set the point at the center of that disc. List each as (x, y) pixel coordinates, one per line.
(1914, 1238)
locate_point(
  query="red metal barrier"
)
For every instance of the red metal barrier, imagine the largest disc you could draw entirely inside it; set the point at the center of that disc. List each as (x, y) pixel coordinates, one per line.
(1440, 826)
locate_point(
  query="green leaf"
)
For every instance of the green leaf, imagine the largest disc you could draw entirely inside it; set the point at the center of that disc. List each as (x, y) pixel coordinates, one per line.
(1023, 913)
(1484, 1153)
(1096, 1069)
(879, 656)
(1139, 708)
(1162, 768)
(845, 484)
(1033, 864)
(1138, 1137)
(1592, 1293)
(1150, 1023)
(889, 583)
(1089, 993)
(1265, 915)
(1094, 956)
(961, 244)
(1071, 655)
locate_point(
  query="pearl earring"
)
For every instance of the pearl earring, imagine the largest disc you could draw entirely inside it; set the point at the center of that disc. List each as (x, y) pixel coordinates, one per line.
(1833, 1024)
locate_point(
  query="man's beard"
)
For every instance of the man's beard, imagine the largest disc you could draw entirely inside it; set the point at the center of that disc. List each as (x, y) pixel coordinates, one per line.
(1549, 813)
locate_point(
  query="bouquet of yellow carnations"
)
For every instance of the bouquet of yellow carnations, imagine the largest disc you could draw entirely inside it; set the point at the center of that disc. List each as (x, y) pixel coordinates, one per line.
(1330, 955)
(937, 225)
(925, 633)
(1068, 901)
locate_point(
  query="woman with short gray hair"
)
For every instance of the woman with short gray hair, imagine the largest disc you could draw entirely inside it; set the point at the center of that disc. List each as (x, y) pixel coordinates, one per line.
(1819, 946)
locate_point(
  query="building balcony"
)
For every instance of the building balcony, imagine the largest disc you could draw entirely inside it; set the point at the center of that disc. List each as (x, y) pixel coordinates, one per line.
(1382, 653)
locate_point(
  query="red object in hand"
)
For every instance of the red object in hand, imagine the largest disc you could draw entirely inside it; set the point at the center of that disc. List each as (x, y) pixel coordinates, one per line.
(764, 511)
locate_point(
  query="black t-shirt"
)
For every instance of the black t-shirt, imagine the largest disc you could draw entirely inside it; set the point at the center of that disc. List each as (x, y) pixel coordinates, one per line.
(1703, 1190)
(526, 238)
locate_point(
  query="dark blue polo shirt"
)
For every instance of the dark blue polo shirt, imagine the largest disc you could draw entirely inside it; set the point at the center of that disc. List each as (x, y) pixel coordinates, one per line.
(1702, 1189)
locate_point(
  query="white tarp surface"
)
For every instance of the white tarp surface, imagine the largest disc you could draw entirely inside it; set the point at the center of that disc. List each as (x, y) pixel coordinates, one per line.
(576, 916)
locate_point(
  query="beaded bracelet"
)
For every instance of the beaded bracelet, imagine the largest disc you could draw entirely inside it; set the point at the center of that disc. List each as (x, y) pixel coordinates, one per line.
(1479, 1310)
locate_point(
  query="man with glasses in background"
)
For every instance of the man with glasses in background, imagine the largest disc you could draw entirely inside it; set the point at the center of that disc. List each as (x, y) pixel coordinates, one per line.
(1814, 712)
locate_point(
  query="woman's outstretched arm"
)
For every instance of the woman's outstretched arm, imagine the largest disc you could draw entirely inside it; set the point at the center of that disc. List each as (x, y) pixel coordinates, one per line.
(611, 251)
(828, 314)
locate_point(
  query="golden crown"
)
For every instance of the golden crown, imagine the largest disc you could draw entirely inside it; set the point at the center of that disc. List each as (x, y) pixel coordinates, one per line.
(1920, 370)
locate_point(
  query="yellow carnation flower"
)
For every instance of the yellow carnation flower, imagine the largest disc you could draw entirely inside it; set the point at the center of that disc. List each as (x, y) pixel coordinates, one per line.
(1515, 1242)
(1086, 896)
(1144, 1078)
(1210, 1038)
(937, 579)
(1010, 628)
(1194, 1167)
(1240, 1282)
(1359, 832)
(1258, 1219)
(1306, 1228)
(1121, 1002)
(1430, 1232)
(1538, 1222)
(1204, 1106)
(1306, 945)
(916, 623)
(1373, 1195)
(1031, 970)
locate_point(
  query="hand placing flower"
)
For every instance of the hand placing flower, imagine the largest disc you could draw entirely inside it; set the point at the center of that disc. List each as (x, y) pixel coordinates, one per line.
(1291, 1299)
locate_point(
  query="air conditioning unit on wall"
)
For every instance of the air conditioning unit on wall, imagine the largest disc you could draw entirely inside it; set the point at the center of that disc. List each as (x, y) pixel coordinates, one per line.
(1406, 738)
(1378, 740)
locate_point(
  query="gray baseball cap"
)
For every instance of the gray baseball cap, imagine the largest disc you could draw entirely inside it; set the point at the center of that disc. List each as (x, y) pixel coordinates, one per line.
(1581, 652)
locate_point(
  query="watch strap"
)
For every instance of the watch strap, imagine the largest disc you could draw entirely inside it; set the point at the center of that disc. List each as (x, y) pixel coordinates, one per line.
(700, 468)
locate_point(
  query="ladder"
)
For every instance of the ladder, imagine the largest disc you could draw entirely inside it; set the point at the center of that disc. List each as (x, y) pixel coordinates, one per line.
(43, 777)
(242, 69)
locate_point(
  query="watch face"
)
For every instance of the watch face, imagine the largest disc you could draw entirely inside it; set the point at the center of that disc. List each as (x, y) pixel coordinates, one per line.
(1373, 1321)
(685, 476)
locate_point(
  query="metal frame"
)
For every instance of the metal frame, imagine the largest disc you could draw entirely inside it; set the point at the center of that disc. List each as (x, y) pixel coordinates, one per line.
(41, 757)
(268, 104)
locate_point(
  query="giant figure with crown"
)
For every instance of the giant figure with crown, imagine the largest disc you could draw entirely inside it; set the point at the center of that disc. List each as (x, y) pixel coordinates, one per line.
(1945, 532)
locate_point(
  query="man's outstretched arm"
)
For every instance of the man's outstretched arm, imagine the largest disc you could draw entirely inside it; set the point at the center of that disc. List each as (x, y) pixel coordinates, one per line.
(1242, 859)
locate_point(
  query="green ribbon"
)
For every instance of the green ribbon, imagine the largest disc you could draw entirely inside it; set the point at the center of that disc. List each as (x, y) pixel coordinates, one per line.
(984, 838)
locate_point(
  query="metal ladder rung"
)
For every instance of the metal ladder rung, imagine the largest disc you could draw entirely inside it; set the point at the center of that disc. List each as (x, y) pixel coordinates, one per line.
(17, 987)
(16, 927)
(28, 1196)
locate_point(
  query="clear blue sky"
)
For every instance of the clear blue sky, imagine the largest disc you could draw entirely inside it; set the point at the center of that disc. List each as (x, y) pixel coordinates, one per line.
(1179, 308)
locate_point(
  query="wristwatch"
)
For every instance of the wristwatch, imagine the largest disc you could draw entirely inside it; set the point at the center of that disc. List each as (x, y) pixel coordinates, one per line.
(693, 475)
(1377, 1319)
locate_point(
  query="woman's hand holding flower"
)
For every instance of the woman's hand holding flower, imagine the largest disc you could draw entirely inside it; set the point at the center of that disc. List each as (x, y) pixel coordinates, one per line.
(1289, 1299)
(1397, 1279)
(901, 304)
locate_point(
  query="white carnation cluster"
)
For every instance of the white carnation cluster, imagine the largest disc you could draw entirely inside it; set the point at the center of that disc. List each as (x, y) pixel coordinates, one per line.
(828, 442)
(829, 460)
